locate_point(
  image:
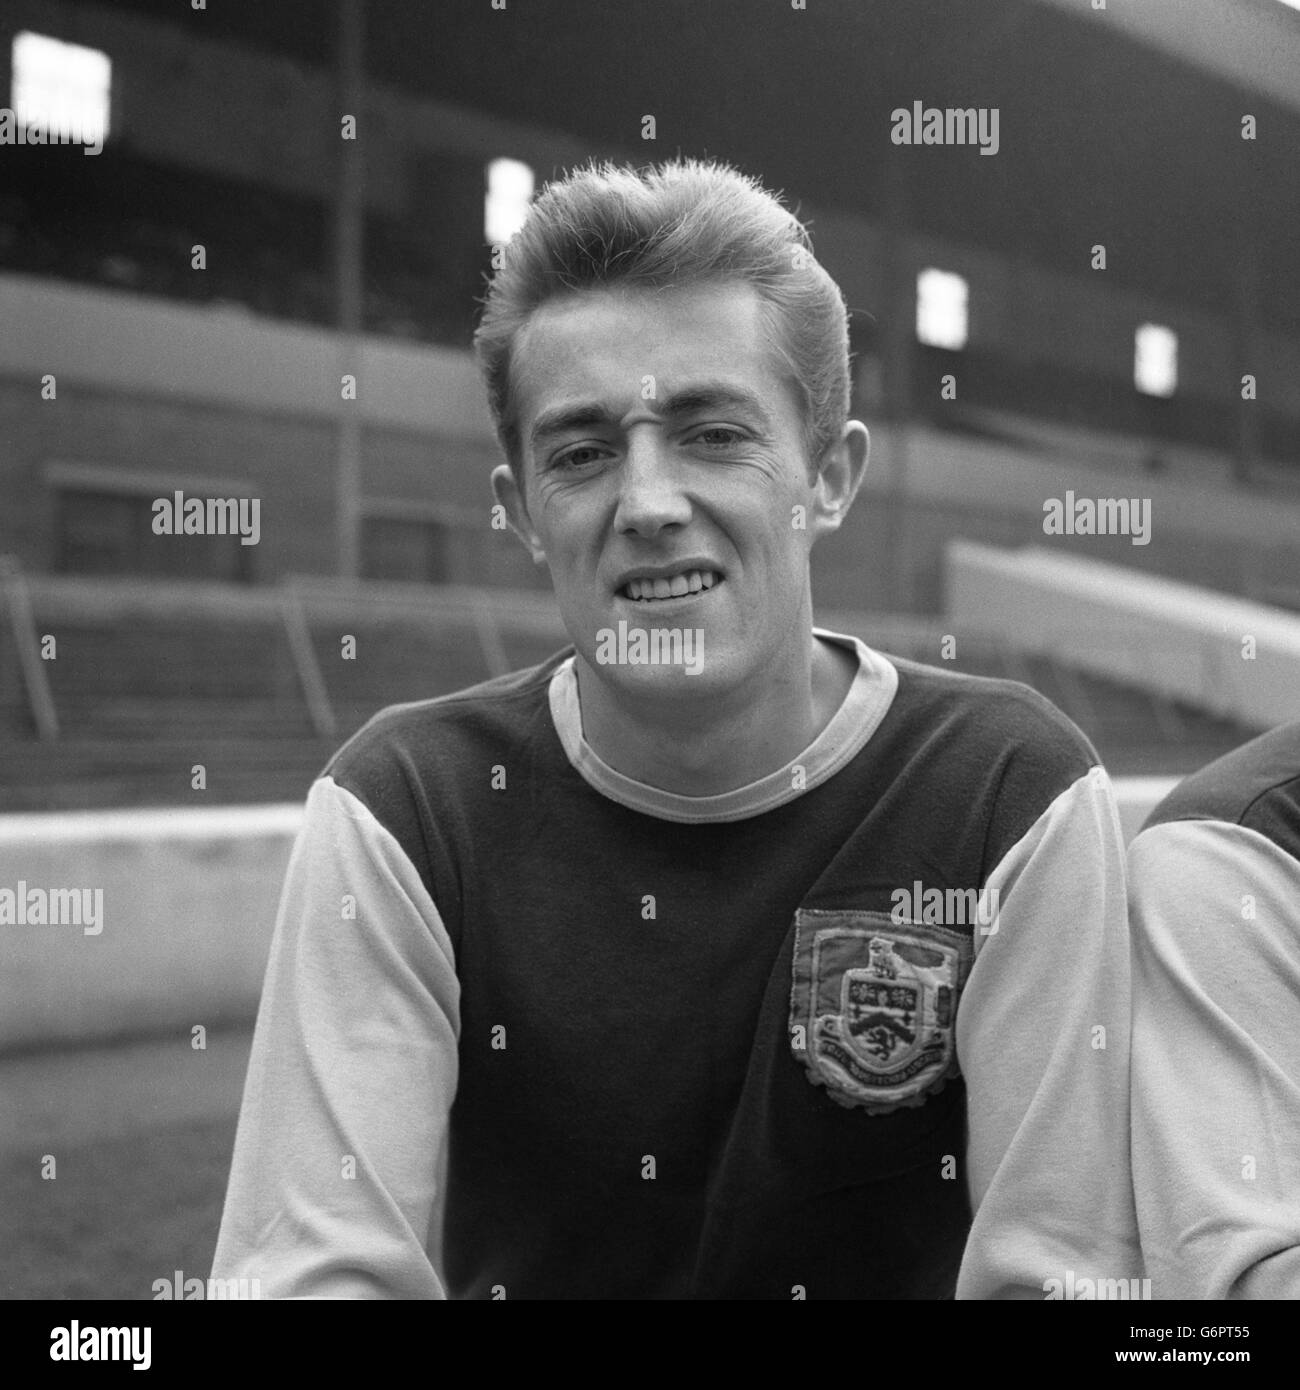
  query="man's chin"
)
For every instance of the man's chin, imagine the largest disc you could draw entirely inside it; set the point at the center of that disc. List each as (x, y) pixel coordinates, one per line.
(644, 662)
(669, 684)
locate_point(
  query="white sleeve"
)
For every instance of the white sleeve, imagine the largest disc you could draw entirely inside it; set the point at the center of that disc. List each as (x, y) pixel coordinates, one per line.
(1216, 1060)
(1043, 1043)
(353, 1071)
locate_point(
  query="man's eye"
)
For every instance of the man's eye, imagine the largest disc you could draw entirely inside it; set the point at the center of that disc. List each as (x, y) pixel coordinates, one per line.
(577, 458)
(717, 436)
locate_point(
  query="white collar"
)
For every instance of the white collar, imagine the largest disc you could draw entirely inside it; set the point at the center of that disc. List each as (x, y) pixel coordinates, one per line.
(858, 717)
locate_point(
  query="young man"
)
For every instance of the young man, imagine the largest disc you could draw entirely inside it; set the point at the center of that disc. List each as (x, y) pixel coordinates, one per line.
(1215, 907)
(724, 957)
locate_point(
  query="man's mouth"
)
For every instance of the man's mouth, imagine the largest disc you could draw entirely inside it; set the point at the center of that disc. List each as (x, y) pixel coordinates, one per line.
(679, 586)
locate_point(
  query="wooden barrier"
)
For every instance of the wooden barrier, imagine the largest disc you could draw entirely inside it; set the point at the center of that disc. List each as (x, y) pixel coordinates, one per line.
(1228, 656)
(189, 901)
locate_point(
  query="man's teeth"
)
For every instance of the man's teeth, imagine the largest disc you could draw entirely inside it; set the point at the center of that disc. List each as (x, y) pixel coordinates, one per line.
(690, 583)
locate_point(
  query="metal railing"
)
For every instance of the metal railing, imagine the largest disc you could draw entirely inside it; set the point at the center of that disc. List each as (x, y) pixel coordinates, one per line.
(22, 627)
(301, 604)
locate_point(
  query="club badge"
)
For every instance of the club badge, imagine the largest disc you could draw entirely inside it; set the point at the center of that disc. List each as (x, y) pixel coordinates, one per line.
(874, 1006)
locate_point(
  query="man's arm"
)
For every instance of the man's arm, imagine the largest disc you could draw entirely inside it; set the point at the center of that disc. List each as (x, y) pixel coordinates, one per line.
(1216, 1060)
(352, 1074)
(1043, 1043)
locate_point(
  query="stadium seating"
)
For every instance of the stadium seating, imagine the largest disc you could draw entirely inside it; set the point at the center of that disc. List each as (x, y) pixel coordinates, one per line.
(147, 684)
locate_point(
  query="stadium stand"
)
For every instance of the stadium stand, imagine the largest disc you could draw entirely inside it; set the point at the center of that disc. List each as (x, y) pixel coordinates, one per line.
(253, 684)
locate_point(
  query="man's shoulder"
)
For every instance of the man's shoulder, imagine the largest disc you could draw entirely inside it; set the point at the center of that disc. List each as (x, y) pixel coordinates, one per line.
(421, 734)
(988, 717)
(989, 764)
(1256, 786)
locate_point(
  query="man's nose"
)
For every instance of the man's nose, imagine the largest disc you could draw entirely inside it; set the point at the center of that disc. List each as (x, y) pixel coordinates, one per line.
(650, 491)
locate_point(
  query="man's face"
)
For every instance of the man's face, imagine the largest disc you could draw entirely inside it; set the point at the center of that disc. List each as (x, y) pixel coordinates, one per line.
(663, 448)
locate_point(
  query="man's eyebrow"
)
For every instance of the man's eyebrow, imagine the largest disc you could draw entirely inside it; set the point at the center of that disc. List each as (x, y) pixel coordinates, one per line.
(706, 396)
(713, 396)
(567, 417)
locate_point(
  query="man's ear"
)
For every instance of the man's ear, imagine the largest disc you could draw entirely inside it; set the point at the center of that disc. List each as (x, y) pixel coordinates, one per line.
(839, 475)
(506, 490)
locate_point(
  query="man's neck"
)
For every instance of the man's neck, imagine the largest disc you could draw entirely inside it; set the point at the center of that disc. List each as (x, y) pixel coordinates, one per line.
(707, 748)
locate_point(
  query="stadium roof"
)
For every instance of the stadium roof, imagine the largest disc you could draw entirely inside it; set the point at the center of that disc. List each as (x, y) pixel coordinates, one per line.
(1121, 126)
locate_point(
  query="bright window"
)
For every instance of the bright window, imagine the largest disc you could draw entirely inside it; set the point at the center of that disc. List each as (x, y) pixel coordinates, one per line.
(509, 191)
(1155, 360)
(941, 309)
(61, 87)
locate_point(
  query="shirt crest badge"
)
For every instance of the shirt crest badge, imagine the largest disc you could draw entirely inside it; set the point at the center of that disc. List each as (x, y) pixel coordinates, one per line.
(874, 1006)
